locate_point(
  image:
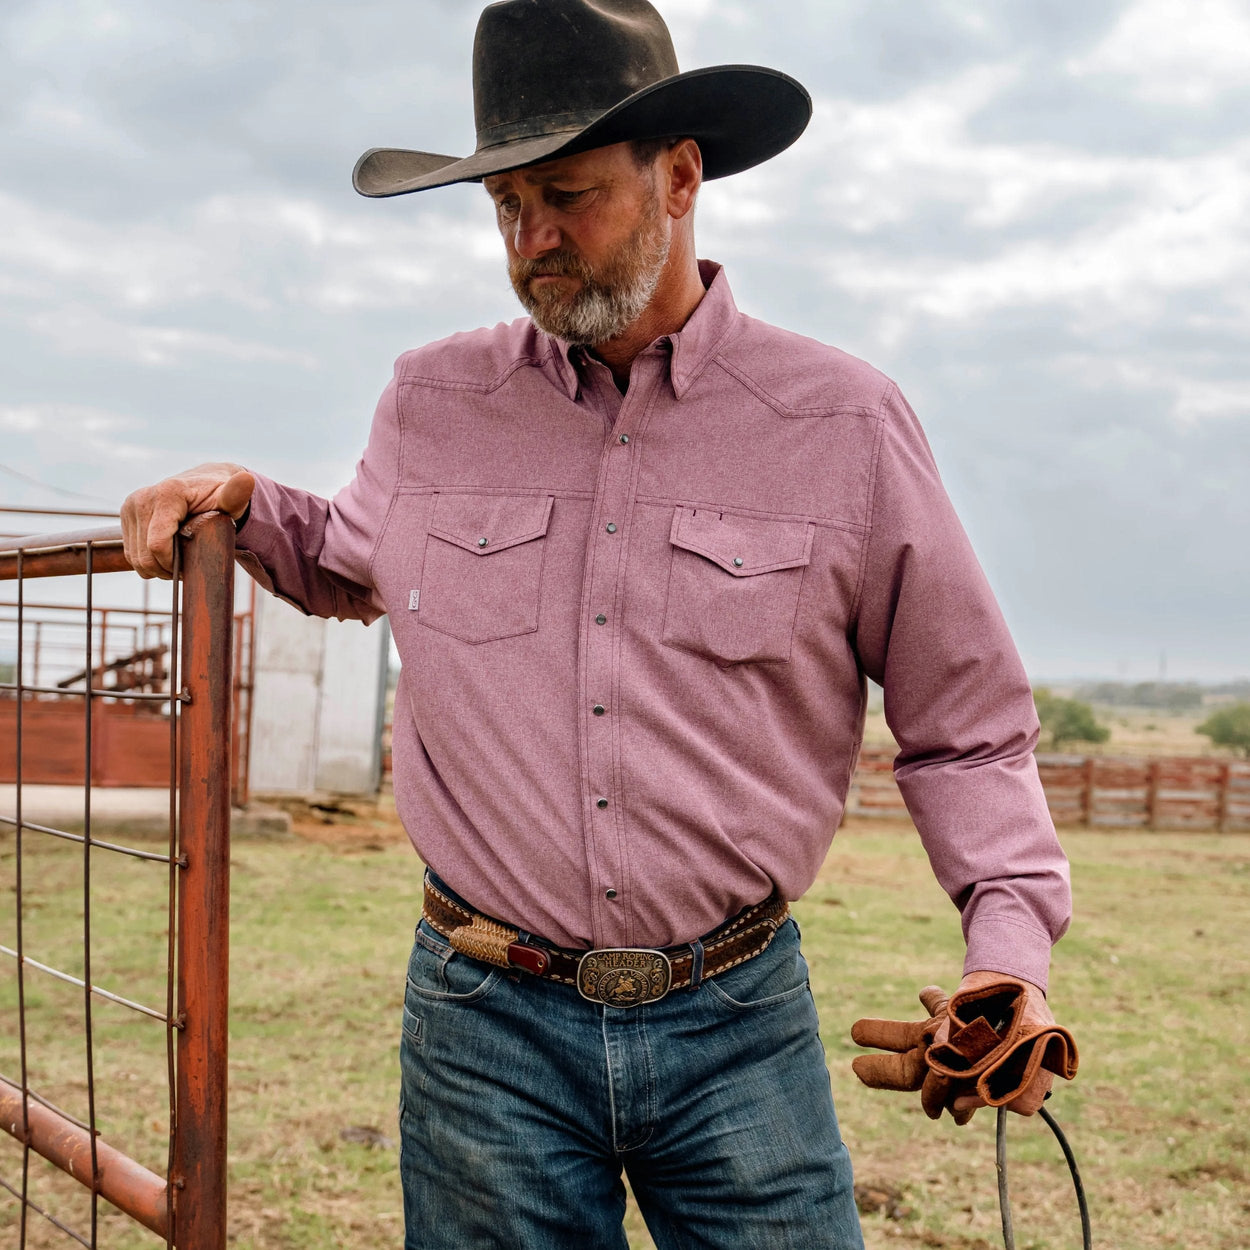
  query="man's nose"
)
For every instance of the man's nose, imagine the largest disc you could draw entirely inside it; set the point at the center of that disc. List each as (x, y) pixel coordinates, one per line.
(535, 233)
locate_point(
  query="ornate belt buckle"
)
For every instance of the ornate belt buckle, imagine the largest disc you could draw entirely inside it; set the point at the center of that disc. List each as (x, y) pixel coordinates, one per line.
(624, 977)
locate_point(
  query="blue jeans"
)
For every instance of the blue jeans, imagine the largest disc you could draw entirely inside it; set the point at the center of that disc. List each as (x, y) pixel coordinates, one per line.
(521, 1103)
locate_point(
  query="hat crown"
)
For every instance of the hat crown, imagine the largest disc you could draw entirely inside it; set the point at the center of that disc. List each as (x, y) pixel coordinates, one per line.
(542, 66)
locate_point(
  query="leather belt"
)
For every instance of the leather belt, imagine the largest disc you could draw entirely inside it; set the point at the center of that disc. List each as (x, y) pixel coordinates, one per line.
(617, 976)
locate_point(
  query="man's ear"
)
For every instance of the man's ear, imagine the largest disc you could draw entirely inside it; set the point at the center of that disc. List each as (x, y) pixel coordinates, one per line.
(682, 169)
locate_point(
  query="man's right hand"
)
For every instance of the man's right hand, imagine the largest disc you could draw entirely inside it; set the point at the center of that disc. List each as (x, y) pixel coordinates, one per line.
(152, 515)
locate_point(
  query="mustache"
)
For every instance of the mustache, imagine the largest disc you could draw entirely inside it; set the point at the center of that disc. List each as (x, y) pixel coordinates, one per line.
(562, 264)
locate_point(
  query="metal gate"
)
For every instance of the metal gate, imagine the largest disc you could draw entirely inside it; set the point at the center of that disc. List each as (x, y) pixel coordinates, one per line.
(182, 1200)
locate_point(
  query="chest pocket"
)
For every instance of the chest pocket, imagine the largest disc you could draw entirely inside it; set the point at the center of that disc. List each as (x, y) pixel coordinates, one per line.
(733, 589)
(482, 576)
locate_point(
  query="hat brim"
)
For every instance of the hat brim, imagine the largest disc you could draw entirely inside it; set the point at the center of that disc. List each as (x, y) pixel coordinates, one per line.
(740, 116)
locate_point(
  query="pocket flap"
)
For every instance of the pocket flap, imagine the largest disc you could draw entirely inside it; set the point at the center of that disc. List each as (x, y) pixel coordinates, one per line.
(484, 524)
(743, 546)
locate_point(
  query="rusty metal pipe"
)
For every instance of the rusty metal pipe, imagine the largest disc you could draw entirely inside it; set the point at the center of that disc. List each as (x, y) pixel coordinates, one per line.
(57, 512)
(199, 1171)
(60, 541)
(123, 1182)
(64, 562)
(59, 555)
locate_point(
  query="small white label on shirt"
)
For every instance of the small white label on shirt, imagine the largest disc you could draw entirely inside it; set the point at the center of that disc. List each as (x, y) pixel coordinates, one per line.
(414, 600)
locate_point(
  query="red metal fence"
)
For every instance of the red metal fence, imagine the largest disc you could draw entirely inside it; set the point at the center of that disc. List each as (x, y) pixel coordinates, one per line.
(130, 652)
(1102, 791)
(184, 1206)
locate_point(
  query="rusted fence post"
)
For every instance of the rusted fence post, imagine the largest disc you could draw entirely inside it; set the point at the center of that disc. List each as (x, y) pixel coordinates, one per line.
(1087, 793)
(1152, 794)
(199, 1175)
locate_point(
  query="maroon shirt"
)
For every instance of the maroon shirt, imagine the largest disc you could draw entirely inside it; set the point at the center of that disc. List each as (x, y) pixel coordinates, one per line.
(634, 632)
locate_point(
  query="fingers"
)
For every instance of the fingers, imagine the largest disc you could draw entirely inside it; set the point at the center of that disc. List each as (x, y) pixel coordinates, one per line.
(933, 1094)
(895, 1035)
(904, 1072)
(152, 516)
(935, 1001)
(938, 1094)
(235, 493)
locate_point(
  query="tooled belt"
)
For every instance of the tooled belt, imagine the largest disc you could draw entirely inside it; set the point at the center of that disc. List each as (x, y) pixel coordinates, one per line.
(619, 976)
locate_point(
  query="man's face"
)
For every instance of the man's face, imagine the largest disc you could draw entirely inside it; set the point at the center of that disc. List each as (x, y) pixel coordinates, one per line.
(587, 240)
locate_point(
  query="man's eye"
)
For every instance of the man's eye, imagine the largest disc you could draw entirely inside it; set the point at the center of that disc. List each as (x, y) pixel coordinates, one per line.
(507, 208)
(570, 197)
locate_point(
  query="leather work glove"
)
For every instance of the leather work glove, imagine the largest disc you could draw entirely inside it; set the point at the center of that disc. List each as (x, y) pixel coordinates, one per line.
(994, 1043)
(1003, 1034)
(906, 1067)
(1002, 1039)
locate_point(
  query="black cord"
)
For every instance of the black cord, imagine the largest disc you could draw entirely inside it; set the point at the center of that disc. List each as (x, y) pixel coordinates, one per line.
(1087, 1239)
(1004, 1200)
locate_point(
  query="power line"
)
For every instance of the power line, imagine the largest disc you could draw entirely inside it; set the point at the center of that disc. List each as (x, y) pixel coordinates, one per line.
(56, 490)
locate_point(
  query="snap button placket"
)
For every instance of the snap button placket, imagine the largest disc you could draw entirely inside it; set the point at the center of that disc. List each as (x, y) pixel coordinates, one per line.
(609, 536)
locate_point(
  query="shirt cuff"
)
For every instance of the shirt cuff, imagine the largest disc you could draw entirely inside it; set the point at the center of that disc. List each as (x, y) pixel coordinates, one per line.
(1003, 944)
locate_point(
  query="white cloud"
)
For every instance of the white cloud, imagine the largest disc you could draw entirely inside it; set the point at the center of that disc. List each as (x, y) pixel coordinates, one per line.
(1185, 54)
(1192, 398)
(132, 290)
(79, 330)
(74, 431)
(1155, 241)
(1106, 240)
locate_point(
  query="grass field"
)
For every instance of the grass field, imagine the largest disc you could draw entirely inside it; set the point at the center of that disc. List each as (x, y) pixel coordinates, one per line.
(1153, 979)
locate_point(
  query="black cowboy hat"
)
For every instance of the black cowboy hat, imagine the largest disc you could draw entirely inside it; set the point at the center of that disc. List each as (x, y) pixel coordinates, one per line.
(554, 77)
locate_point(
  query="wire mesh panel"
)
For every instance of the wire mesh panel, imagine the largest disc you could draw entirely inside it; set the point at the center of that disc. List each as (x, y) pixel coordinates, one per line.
(113, 942)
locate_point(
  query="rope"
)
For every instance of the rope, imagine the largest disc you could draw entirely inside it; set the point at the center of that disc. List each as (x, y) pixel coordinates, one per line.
(1004, 1200)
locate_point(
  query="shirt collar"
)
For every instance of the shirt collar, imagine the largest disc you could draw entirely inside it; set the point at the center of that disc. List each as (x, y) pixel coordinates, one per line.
(709, 325)
(693, 346)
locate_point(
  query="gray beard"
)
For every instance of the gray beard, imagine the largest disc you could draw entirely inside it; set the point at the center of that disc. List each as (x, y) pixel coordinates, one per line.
(610, 299)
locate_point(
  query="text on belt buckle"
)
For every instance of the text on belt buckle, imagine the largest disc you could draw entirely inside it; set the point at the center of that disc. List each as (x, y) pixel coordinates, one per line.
(624, 977)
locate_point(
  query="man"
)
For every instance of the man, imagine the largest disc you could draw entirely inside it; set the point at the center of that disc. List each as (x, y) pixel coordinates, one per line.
(639, 553)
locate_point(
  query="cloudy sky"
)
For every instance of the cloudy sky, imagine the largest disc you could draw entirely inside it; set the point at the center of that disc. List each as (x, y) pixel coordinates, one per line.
(1033, 214)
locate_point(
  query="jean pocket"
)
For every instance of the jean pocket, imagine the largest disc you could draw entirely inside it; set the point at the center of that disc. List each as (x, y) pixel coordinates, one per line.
(734, 584)
(439, 973)
(482, 575)
(776, 976)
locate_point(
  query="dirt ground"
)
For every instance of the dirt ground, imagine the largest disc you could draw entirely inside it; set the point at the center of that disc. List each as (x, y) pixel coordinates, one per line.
(343, 824)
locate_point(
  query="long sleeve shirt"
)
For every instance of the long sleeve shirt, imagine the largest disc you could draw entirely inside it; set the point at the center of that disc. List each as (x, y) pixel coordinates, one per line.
(635, 632)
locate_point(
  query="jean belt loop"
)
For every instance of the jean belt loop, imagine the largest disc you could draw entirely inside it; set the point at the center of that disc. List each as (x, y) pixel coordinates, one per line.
(696, 962)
